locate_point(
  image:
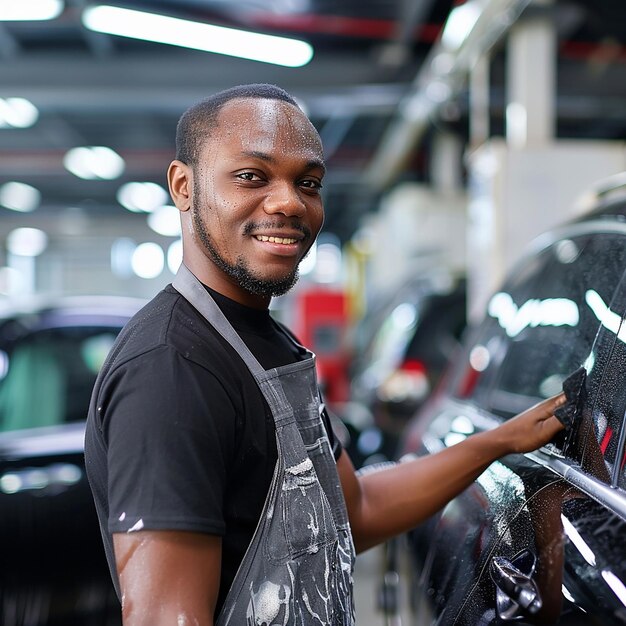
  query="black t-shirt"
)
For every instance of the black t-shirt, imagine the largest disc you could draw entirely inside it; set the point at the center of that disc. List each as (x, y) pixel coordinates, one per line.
(179, 436)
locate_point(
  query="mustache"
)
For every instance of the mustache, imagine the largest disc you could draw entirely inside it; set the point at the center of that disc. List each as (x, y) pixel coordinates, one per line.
(250, 227)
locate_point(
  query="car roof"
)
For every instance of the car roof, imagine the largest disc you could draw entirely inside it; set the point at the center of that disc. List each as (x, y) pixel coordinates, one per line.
(39, 313)
(606, 200)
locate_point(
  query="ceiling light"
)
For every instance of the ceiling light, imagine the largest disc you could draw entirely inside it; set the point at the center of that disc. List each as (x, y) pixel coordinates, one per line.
(29, 10)
(307, 265)
(165, 220)
(27, 242)
(196, 35)
(121, 256)
(17, 113)
(438, 91)
(148, 260)
(19, 197)
(175, 256)
(328, 265)
(459, 24)
(141, 197)
(93, 163)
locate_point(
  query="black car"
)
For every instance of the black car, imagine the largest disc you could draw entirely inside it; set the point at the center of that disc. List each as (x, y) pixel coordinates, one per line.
(401, 349)
(538, 538)
(53, 569)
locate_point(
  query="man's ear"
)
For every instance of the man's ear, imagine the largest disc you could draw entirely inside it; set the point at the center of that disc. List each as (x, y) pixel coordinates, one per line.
(180, 180)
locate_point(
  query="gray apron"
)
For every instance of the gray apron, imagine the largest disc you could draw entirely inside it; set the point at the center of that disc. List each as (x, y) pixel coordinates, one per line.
(297, 570)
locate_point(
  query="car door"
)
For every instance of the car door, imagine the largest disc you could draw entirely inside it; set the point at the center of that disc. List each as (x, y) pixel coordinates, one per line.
(539, 328)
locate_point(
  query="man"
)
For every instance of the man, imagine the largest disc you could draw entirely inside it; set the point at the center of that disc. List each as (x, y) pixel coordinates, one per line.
(222, 493)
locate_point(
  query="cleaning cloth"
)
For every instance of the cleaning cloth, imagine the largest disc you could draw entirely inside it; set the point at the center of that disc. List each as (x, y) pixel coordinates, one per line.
(574, 388)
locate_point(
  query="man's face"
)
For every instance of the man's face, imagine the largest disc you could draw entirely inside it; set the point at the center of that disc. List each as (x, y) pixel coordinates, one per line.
(256, 197)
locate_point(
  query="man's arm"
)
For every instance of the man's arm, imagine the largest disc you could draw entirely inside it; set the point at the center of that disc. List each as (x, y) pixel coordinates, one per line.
(168, 577)
(393, 500)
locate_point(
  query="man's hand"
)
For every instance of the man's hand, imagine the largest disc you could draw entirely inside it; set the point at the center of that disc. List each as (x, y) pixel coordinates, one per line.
(385, 503)
(531, 429)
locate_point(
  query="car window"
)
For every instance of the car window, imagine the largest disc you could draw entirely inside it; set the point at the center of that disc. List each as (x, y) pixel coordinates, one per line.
(46, 377)
(542, 325)
(437, 337)
(604, 453)
(608, 418)
(390, 341)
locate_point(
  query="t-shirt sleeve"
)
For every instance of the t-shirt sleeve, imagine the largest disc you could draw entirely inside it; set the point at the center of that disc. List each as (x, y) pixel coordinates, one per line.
(169, 425)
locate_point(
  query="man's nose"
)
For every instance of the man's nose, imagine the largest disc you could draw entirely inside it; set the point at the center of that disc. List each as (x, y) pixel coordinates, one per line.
(284, 198)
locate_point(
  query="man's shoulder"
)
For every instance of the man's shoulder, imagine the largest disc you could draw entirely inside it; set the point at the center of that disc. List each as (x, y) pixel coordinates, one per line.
(169, 324)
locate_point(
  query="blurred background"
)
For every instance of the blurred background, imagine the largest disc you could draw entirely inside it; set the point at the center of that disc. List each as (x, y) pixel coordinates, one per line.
(454, 133)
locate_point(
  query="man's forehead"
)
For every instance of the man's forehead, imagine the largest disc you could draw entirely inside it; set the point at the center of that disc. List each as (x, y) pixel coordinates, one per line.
(247, 120)
(261, 108)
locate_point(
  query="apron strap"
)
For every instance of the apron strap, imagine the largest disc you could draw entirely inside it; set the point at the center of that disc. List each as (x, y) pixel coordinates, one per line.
(192, 290)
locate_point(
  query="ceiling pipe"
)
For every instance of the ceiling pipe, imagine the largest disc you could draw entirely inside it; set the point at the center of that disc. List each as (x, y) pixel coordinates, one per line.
(411, 16)
(443, 75)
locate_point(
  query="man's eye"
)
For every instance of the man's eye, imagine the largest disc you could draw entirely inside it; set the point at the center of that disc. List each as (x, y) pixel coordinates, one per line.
(311, 184)
(248, 176)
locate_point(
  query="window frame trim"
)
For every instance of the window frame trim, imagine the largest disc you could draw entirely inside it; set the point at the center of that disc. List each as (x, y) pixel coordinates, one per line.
(613, 498)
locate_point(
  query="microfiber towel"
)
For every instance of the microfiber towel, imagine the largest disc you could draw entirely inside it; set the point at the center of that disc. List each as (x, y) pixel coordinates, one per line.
(574, 388)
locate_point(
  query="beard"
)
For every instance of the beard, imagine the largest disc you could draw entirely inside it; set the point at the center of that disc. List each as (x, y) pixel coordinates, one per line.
(239, 271)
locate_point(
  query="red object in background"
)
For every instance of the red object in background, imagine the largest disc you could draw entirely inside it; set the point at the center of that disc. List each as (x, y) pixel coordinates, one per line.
(415, 366)
(321, 321)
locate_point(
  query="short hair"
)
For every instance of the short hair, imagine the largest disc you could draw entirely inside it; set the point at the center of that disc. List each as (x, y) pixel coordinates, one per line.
(197, 122)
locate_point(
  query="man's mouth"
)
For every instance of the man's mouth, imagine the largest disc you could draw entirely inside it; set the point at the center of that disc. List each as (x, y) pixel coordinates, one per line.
(283, 240)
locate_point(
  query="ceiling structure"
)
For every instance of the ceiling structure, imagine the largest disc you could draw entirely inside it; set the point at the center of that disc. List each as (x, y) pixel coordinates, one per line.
(93, 89)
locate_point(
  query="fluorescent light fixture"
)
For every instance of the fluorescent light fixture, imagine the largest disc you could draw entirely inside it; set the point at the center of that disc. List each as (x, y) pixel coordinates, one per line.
(328, 264)
(94, 162)
(175, 255)
(17, 113)
(30, 10)
(459, 24)
(198, 36)
(307, 265)
(19, 197)
(165, 220)
(141, 197)
(29, 242)
(148, 260)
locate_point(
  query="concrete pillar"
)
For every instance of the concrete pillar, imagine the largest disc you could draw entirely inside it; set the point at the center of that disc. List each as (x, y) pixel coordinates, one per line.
(531, 80)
